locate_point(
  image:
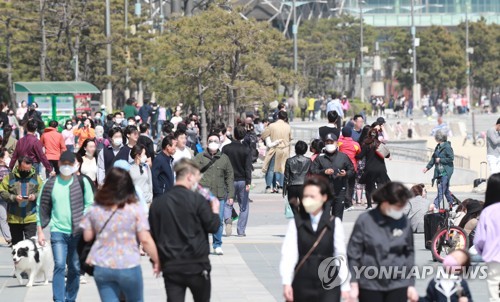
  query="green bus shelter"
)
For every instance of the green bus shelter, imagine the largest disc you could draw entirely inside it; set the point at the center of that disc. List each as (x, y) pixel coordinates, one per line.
(56, 100)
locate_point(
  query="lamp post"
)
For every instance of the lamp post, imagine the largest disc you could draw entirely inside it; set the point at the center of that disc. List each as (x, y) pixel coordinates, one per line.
(362, 57)
(416, 95)
(295, 52)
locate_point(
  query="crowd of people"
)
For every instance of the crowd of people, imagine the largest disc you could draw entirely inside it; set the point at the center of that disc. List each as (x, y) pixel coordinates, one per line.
(140, 182)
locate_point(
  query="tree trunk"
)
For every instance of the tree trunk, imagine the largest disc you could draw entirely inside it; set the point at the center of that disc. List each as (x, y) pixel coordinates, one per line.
(203, 113)
(10, 85)
(43, 48)
(230, 105)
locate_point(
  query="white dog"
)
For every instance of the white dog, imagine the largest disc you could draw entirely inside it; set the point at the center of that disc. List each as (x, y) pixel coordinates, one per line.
(33, 259)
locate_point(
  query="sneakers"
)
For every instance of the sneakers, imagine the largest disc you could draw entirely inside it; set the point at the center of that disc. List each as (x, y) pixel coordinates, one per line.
(349, 209)
(269, 190)
(218, 251)
(229, 226)
(241, 235)
(83, 280)
(369, 208)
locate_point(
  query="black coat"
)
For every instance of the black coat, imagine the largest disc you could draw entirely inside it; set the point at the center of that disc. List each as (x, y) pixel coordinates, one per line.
(336, 161)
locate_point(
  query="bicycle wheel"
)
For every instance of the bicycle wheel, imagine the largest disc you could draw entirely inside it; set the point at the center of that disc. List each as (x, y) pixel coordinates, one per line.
(445, 242)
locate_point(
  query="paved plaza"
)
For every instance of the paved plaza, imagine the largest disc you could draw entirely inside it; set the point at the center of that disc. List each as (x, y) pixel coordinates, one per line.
(248, 270)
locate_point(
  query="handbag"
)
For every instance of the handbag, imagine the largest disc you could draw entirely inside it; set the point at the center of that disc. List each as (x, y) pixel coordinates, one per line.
(383, 151)
(313, 247)
(288, 209)
(83, 249)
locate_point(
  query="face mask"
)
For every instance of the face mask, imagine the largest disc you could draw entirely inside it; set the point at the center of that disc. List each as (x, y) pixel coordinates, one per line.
(119, 120)
(213, 146)
(69, 127)
(7, 161)
(395, 214)
(66, 170)
(144, 159)
(24, 174)
(330, 148)
(117, 142)
(311, 205)
(131, 123)
(451, 263)
(228, 133)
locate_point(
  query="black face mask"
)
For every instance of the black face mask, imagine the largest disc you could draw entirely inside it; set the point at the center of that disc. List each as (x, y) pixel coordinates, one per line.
(24, 174)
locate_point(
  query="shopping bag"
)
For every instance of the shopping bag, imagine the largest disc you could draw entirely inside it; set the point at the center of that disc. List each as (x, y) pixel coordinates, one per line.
(288, 209)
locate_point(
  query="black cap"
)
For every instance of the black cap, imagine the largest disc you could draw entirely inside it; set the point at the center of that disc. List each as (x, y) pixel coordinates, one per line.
(330, 137)
(68, 156)
(381, 120)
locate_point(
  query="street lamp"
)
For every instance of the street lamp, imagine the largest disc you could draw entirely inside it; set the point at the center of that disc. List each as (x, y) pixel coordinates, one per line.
(109, 88)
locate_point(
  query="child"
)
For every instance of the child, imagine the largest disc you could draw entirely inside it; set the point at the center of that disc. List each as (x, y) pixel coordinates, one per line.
(448, 286)
(316, 148)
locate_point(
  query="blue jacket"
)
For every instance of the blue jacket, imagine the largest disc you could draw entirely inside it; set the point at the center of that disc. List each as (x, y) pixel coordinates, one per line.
(163, 175)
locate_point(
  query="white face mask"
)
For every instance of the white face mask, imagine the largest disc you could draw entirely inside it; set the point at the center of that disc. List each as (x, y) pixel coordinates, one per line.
(213, 147)
(311, 205)
(7, 161)
(228, 133)
(395, 214)
(131, 123)
(119, 120)
(144, 159)
(69, 126)
(330, 148)
(117, 142)
(67, 170)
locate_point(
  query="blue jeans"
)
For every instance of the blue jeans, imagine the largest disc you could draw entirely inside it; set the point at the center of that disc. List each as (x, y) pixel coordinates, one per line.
(159, 126)
(443, 186)
(270, 175)
(111, 282)
(70, 148)
(64, 252)
(242, 198)
(217, 237)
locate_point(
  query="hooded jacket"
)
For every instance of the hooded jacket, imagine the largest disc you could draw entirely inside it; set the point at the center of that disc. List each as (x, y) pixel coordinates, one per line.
(444, 152)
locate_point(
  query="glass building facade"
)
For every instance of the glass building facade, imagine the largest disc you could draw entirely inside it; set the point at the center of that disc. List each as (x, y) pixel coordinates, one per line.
(382, 13)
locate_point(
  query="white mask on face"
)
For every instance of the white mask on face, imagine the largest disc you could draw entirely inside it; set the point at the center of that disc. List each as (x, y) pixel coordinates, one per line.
(117, 141)
(311, 205)
(7, 161)
(66, 170)
(213, 147)
(330, 148)
(144, 158)
(395, 214)
(69, 126)
(119, 120)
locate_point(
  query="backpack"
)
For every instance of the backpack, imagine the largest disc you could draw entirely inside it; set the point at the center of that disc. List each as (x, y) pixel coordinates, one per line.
(250, 141)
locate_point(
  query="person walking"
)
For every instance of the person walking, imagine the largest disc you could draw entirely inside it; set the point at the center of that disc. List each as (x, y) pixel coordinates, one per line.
(183, 245)
(337, 168)
(296, 169)
(141, 173)
(313, 236)
(145, 140)
(331, 127)
(218, 177)
(487, 234)
(89, 160)
(274, 163)
(117, 223)
(116, 150)
(375, 171)
(493, 148)
(62, 203)
(181, 149)
(69, 137)
(162, 171)
(4, 171)
(383, 238)
(130, 110)
(19, 189)
(351, 148)
(54, 144)
(310, 107)
(241, 162)
(31, 147)
(357, 127)
(84, 132)
(442, 161)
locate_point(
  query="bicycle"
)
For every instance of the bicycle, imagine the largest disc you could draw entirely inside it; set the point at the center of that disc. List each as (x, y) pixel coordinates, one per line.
(480, 139)
(448, 237)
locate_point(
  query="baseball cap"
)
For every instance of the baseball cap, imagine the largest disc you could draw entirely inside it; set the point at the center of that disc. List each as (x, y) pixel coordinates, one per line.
(331, 137)
(381, 120)
(67, 156)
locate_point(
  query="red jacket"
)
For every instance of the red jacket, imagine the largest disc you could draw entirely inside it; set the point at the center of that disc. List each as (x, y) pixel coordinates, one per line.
(351, 148)
(53, 142)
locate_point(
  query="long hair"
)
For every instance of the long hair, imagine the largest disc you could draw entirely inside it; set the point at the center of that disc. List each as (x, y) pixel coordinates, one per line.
(7, 131)
(118, 189)
(364, 134)
(372, 138)
(82, 151)
(492, 195)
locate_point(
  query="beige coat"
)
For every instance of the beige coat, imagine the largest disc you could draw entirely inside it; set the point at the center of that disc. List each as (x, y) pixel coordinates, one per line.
(278, 130)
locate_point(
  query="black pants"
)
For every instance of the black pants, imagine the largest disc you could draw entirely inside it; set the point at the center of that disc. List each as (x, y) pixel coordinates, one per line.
(55, 165)
(176, 285)
(19, 231)
(395, 295)
(351, 182)
(338, 203)
(294, 194)
(303, 114)
(373, 180)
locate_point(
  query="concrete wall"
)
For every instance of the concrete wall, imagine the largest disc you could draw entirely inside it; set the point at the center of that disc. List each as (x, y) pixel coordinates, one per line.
(410, 172)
